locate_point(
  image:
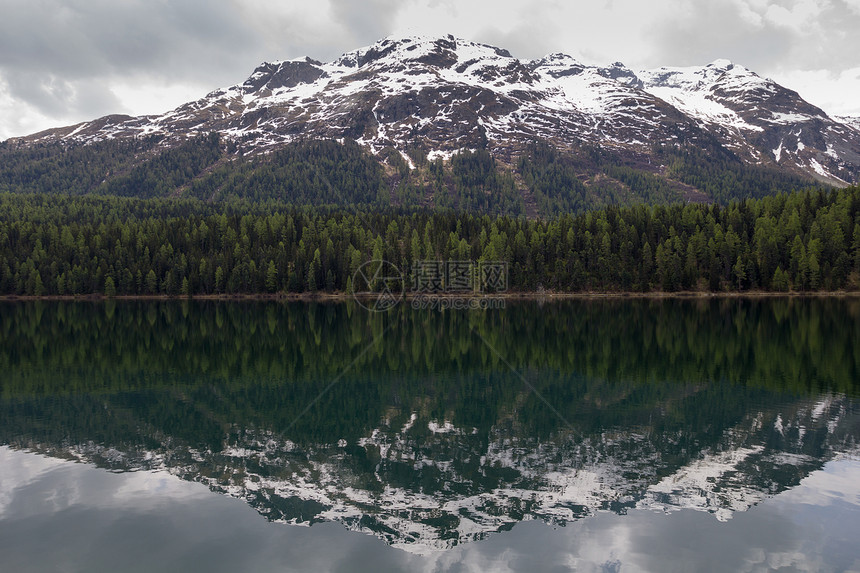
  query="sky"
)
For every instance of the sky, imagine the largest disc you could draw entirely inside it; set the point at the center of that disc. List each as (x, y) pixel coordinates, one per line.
(67, 61)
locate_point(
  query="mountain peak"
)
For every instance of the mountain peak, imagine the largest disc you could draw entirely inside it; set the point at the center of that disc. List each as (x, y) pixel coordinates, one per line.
(701, 77)
(722, 64)
(558, 59)
(283, 74)
(621, 73)
(436, 51)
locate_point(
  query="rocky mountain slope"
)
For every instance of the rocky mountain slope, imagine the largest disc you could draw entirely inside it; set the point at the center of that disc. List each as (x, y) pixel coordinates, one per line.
(429, 98)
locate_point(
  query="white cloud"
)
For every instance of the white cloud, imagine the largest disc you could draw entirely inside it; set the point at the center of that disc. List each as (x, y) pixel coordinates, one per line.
(780, 15)
(146, 96)
(799, 15)
(830, 91)
(750, 12)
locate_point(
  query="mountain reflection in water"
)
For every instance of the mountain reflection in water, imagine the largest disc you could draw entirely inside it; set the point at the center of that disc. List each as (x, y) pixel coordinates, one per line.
(452, 426)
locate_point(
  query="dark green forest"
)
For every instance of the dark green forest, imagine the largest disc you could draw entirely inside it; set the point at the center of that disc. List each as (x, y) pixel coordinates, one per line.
(542, 182)
(136, 217)
(75, 245)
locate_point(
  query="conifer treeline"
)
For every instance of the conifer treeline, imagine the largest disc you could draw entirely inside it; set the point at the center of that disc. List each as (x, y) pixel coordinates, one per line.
(63, 245)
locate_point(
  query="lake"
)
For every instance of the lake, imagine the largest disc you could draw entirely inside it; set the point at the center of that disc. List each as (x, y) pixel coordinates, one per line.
(589, 435)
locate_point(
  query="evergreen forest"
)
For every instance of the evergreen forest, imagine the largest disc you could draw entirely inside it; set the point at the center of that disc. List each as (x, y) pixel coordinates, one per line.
(59, 244)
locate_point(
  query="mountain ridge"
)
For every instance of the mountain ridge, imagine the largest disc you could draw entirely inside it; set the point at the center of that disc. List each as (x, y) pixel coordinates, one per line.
(430, 98)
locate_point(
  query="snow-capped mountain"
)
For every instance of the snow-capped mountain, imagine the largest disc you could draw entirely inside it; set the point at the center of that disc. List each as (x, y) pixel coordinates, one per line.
(757, 118)
(441, 95)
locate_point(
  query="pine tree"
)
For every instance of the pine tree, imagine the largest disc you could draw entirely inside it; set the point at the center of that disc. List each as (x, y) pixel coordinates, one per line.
(740, 273)
(272, 277)
(151, 282)
(219, 280)
(780, 283)
(110, 287)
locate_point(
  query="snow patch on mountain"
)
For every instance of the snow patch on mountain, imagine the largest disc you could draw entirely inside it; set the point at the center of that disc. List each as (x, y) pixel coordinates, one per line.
(849, 120)
(693, 90)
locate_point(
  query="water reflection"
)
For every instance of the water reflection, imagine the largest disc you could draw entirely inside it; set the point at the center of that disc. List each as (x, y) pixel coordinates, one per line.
(428, 440)
(155, 522)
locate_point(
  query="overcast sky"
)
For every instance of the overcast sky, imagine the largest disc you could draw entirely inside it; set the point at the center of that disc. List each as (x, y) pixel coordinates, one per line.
(65, 61)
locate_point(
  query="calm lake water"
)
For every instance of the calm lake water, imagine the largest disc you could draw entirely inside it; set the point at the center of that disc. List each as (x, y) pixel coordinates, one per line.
(607, 435)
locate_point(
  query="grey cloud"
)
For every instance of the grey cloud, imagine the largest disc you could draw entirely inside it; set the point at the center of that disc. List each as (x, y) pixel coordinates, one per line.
(536, 33)
(712, 30)
(524, 42)
(55, 96)
(839, 41)
(705, 31)
(59, 56)
(96, 36)
(47, 93)
(366, 21)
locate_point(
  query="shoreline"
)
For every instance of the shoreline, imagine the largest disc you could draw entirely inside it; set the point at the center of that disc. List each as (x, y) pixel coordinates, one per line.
(525, 296)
